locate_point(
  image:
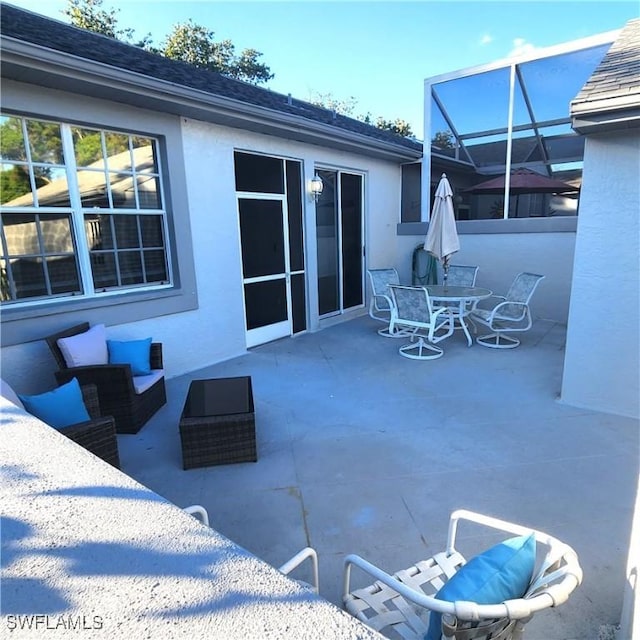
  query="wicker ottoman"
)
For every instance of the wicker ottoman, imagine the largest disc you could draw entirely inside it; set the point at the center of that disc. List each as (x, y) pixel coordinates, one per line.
(217, 425)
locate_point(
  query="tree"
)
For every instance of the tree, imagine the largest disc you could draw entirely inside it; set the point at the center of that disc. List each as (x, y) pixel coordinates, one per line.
(347, 108)
(89, 15)
(399, 126)
(327, 101)
(188, 42)
(443, 140)
(195, 44)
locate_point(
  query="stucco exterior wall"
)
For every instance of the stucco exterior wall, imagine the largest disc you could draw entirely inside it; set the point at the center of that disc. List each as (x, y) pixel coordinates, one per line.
(203, 191)
(604, 319)
(501, 257)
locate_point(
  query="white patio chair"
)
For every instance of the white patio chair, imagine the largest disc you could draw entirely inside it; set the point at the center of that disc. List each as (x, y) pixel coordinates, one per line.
(308, 553)
(400, 605)
(381, 301)
(462, 275)
(510, 314)
(413, 315)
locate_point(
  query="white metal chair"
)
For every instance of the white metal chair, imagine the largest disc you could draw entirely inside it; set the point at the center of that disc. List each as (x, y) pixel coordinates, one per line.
(510, 314)
(413, 315)
(381, 301)
(462, 275)
(289, 566)
(399, 605)
(198, 511)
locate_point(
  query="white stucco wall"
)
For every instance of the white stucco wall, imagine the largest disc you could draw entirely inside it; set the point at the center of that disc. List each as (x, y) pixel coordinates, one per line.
(500, 257)
(602, 358)
(215, 330)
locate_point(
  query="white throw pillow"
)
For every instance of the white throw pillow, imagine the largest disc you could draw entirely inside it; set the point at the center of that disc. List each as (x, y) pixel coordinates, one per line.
(85, 349)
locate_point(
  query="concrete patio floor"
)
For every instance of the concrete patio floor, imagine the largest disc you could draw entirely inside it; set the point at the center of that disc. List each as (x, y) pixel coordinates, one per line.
(363, 451)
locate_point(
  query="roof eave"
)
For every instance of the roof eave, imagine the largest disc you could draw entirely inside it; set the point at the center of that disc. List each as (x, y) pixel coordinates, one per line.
(26, 62)
(598, 118)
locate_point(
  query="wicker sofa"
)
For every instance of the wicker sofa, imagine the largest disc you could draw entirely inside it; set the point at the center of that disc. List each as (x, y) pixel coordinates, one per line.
(115, 384)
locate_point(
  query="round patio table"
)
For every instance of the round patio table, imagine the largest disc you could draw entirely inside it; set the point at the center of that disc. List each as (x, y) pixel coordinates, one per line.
(459, 300)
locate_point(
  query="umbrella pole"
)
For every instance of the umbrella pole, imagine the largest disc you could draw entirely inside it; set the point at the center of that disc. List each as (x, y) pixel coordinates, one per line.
(445, 271)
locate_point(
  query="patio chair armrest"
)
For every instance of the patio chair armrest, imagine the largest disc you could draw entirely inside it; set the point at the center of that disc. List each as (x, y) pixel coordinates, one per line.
(495, 312)
(417, 597)
(97, 436)
(95, 425)
(490, 301)
(439, 311)
(493, 523)
(116, 377)
(155, 358)
(293, 563)
(459, 608)
(91, 400)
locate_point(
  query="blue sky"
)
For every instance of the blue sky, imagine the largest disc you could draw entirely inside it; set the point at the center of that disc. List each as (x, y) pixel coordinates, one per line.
(376, 52)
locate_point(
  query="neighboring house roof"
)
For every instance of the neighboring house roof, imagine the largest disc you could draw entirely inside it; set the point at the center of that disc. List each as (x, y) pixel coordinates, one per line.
(53, 54)
(610, 99)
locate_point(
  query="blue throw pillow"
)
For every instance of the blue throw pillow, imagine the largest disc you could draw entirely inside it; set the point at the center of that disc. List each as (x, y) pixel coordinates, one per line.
(137, 353)
(501, 573)
(59, 408)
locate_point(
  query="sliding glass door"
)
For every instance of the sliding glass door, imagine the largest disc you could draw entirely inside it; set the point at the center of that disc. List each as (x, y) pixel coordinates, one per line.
(339, 232)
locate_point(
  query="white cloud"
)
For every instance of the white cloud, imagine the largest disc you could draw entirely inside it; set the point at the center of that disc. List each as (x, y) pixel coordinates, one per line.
(521, 47)
(486, 39)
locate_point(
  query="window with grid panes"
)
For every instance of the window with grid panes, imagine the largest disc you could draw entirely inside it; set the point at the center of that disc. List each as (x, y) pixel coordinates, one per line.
(82, 212)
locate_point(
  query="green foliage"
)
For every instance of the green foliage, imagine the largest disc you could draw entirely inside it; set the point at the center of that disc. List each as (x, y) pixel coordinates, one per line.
(347, 108)
(443, 140)
(399, 126)
(89, 15)
(196, 45)
(328, 101)
(14, 183)
(189, 42)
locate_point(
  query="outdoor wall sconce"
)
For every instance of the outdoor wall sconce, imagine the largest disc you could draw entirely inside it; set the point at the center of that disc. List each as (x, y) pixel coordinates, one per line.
(315, 187)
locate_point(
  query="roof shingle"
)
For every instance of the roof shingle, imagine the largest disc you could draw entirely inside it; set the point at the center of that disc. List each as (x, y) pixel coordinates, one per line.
(53, 34)
(616, 80)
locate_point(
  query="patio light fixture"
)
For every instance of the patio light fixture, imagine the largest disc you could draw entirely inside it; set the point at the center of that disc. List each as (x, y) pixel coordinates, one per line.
(315, 187)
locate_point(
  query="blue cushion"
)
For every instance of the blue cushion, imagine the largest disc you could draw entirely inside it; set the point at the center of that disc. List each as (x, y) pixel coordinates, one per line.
(59, 408)
(137, 353)
(501, 573)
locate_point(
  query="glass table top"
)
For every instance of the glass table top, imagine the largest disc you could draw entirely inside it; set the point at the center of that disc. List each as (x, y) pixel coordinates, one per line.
(451, 292)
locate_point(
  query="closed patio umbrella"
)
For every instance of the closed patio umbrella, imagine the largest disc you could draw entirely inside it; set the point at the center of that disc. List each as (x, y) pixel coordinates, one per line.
(442, 237)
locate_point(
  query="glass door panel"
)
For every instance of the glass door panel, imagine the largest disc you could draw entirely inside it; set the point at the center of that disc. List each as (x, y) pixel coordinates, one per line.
(339, 231)
(266, 303)
(327, 245)
(262, 237)
(351, 209)
(264, 268)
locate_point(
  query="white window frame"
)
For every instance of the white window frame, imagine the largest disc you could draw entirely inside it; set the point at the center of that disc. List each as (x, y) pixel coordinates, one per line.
(77, 213)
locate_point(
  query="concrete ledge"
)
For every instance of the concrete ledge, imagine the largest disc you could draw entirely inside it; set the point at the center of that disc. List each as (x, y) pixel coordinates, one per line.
(84, 547)
(561, 224)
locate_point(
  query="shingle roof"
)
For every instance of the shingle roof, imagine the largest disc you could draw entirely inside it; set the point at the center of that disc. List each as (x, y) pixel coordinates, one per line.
(53, 34)
(615, 84)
